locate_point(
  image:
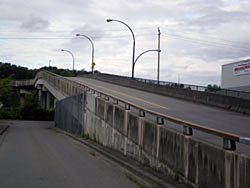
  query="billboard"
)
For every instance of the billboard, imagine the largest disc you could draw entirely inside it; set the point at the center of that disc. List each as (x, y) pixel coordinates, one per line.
(241, 68)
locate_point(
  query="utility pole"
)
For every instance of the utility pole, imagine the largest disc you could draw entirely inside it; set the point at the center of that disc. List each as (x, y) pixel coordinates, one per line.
(159, 51)
(49, 62)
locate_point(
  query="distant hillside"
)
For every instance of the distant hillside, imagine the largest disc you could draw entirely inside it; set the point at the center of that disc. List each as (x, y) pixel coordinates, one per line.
(10, 106)
(8, 70)
(16, 72)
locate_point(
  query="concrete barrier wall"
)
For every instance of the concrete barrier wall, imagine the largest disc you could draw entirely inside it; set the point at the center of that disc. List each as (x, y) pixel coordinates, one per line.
(213, 99)
(69, 114)
(182, 157)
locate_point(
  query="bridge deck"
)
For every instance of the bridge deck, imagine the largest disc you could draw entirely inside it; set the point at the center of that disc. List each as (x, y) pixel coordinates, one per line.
(224, 120)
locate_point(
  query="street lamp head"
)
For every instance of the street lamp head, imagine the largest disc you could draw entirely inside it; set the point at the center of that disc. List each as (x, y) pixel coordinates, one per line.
(77, 35)
(109, 20)
(62, 50)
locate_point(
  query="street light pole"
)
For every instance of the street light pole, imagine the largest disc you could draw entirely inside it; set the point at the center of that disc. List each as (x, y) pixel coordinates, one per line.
(133, 56)
(159, 50)
(93, 49)
(72, 57)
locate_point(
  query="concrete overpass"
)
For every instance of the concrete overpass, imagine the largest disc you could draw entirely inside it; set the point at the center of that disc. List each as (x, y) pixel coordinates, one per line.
(166, 133)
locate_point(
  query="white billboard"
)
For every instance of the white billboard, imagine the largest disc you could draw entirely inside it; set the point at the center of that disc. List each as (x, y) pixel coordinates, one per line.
(241, 68)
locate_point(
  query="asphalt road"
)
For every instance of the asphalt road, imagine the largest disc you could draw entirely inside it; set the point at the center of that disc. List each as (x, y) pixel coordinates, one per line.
(224, 120)
(34, 156)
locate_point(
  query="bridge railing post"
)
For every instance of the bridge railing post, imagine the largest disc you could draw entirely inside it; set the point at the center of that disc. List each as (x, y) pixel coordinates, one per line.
(229, 144)
(188, 131)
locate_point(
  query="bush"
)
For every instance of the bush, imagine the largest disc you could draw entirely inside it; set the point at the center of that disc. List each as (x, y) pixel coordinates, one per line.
(32, 111)
(8, 96)
(9, 113)
(42, 114)
(212, 88)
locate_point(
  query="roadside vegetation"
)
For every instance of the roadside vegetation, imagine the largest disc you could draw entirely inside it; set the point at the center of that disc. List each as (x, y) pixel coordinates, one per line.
(14, 72)
(9, 100)
(10, 106)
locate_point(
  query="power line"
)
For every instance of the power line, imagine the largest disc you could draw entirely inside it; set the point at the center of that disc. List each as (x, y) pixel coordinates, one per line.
(74, 31)
(226, 41)
(102, 31)
(105, 37)
(210, 43)
(64, 37)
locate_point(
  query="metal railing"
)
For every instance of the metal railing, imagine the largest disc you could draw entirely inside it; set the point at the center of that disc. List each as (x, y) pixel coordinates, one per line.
(225, 92)
(219, 91)
(71, 87)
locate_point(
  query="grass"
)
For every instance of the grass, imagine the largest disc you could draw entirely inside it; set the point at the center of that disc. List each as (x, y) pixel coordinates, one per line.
(85, 136)
(137, 181)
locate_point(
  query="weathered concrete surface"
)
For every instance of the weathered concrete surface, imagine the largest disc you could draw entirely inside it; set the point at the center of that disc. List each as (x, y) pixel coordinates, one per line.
(100, 107)
(184, 158)
(149, 138)
(69, 114)
(59, 95)
(171, 150)
(119, 117)
(244, 166)
(211, 166)
(133, 128)
(109, 115)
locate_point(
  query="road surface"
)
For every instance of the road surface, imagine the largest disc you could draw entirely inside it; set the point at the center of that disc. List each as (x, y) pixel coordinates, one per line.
(217, 118)
(34, 156)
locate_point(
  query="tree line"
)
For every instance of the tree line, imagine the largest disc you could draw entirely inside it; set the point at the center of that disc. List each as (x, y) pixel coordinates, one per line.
(10, 107)
(15, 72)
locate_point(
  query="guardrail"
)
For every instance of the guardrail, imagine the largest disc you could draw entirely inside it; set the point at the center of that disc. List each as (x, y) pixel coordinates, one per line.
(225, 92)
(71, 87)
(20, 83)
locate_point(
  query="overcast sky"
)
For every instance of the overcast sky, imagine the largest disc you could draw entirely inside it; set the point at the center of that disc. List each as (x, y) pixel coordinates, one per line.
(197, 36)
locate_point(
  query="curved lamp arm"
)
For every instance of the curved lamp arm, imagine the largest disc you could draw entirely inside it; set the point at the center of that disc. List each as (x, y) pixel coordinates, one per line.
(144, 53)
(92, 44)
(133, 57)
(72, 57)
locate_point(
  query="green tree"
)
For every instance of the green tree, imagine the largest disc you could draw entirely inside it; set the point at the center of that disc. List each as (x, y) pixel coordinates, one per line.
(8, 97)
(30, 106)
(16, 72)
(9, 100)
(32, 111)
(213, 88)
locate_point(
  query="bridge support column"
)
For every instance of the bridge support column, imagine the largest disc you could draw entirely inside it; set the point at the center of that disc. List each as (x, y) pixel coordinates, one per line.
(23, 93)
(44, 90)
(47, 100)
(40, 93)
(22, 99)
(55, 105)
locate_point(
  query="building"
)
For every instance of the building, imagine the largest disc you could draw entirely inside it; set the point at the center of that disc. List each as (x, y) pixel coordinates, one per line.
(236, 76)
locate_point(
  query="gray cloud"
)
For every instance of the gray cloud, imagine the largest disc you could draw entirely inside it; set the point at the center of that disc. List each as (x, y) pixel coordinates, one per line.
(35, 24)
(197, 35)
